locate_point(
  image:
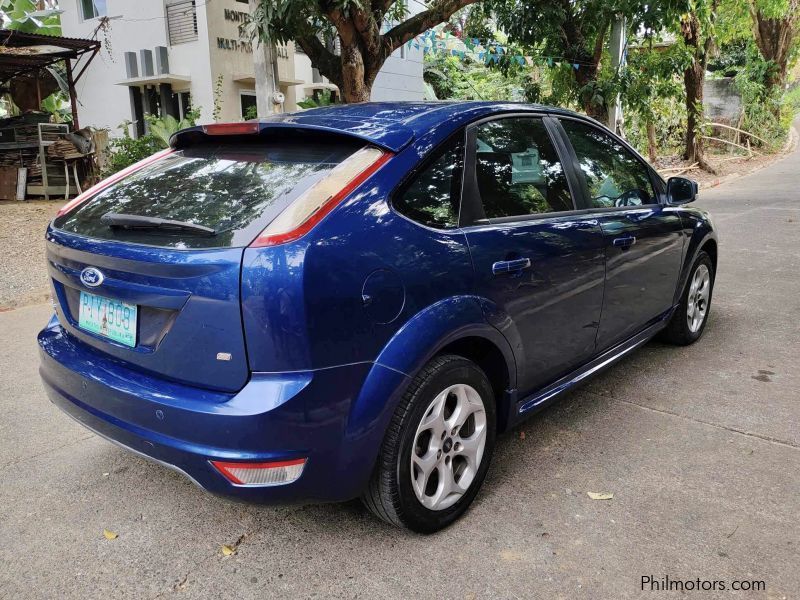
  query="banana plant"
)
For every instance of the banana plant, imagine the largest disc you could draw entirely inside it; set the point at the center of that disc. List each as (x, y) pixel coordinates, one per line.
(162, 128)
(25, 16)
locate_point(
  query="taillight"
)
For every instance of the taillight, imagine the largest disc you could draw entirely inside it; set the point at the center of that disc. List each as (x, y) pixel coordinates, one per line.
(112, 179)
(245, 128)
(311, 207)
(261, 473)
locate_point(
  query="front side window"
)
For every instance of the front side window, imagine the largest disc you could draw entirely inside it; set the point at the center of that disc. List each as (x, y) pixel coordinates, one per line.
(614, 175)
(93, 8)
(433, 197)
(517, 169)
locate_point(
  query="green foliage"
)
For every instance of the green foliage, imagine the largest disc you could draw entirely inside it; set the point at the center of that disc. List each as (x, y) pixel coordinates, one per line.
(455, 79)
(251, 113)
(57, 104)
(652, 94)
(577, 30)
(792, 100)
(25, 16)
(162, 128)
(731, 59)
(761, 112)
(218, 90)
(324, 98)
(126, 150)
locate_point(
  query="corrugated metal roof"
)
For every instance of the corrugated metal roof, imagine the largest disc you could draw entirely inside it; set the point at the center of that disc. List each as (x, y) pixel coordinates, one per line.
(24, 52)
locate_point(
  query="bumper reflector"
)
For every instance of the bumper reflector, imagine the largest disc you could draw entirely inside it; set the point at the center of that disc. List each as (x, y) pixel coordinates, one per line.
(261, 473)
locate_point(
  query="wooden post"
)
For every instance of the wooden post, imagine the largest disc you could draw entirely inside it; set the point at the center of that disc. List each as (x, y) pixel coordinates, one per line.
(38, 92)
(72, 100)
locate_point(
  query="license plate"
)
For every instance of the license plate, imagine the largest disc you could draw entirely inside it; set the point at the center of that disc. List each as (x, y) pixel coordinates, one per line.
(110, 318)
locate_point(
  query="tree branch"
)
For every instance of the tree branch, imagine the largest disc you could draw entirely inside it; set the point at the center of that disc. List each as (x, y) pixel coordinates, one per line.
(323, 59)
(410, 28)
(344, 26)
(368, 29)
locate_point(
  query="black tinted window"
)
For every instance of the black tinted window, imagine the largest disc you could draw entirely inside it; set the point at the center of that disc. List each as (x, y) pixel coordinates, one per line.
(434, 195)
(517, 169)
(235, 190)
(614, 175)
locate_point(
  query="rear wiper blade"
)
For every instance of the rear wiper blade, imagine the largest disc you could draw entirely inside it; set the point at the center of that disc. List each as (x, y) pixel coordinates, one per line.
(123, 221)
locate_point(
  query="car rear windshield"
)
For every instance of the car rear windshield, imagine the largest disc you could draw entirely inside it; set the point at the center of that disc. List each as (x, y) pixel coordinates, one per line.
(236, 190)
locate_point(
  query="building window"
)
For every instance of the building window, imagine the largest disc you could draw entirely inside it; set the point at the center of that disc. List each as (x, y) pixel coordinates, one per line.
(247, 101)
(91, 9)
(181, 21)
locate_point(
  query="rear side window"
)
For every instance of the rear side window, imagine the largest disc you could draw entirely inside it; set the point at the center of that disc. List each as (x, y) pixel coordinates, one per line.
(433, 197)
(517, 169)
(234, 190)
(614, 175)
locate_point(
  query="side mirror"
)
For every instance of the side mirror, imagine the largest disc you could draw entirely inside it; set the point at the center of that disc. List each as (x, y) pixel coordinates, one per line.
(681, 190)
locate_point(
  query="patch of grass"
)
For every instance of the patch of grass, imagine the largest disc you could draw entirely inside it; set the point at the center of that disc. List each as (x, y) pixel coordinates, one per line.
(792, 99)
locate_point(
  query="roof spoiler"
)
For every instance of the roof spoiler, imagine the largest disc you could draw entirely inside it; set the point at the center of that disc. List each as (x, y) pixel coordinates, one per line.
(385, 135)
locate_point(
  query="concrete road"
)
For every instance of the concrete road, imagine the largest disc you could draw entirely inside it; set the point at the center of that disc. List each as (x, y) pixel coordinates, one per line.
(700, 447)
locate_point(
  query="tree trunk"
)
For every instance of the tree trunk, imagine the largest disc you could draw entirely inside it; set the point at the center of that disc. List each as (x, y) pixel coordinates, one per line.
(693, 77)
(775, 38)
(354, 85)
(585, 76)
(652, 143)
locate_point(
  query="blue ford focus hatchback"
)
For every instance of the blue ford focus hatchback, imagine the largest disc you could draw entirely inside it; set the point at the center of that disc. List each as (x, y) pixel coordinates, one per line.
(354, 301)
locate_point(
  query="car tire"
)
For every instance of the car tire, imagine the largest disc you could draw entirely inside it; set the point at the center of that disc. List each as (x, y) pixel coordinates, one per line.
(421, 455)
(689, 320)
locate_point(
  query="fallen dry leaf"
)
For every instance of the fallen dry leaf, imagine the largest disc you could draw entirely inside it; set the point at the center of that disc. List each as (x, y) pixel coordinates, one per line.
(227, 550)
(109, 535)
(600, 495)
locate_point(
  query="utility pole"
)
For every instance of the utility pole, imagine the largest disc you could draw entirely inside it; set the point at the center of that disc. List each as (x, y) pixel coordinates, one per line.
(265, 65)
(617, 51)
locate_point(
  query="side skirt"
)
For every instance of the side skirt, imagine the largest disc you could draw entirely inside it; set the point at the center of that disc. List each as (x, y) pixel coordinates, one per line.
(538, 400)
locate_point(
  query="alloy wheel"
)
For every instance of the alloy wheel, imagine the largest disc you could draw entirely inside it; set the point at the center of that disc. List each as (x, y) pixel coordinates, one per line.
(448, 447)
(697, 304)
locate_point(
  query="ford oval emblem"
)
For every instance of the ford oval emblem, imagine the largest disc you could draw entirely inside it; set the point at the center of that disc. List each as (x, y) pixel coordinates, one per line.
(91, 277)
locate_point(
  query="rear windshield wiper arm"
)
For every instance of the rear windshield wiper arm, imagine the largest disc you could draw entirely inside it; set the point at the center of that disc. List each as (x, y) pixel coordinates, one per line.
(123, 221)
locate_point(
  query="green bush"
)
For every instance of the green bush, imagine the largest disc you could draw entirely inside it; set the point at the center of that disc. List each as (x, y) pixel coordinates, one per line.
(792, 100)
(126, 150)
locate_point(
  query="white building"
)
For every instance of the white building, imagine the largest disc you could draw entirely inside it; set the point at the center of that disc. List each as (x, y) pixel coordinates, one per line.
(162, 56)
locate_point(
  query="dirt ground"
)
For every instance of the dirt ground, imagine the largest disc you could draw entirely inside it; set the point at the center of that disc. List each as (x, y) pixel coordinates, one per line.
(23, 277)
(725, 164)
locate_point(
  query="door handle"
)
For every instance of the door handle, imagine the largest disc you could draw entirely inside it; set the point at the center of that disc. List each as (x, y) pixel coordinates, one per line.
(624, 242)
(511, 266)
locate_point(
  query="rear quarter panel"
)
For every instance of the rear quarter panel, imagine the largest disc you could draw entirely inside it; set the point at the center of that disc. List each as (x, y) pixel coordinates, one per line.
(339, 294)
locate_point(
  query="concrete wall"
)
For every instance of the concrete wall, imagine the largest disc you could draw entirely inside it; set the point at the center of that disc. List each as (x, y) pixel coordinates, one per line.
(231, 56)
(721, 100)
(400, 78)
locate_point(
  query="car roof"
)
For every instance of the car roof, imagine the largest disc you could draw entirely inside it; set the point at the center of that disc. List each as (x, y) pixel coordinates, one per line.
(390, 125)
(393, 125)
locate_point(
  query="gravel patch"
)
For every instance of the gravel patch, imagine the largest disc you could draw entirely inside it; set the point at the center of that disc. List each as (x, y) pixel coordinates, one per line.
(23, 276)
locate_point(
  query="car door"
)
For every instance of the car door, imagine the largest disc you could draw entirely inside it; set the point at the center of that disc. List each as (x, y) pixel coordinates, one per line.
(643, 237)
(539, 264)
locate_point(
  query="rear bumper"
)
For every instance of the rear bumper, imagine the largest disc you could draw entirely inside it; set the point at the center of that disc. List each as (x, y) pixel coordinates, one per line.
(317, 415)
